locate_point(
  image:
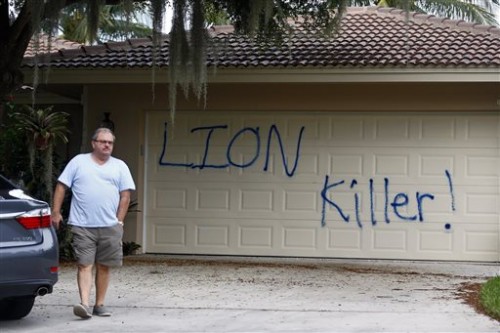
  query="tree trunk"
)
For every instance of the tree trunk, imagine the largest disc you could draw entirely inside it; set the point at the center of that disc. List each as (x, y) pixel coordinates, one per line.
(16, 35)
(14, 40)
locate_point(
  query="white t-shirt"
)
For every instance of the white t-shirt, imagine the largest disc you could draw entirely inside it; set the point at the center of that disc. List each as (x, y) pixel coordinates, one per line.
(96, 190)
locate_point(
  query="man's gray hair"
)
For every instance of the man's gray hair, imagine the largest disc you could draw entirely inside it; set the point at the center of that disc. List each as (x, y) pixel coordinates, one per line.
(102, 130)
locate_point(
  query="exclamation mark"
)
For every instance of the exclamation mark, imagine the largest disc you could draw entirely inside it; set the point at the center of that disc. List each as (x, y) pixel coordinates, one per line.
(447, 226)
(452, 194)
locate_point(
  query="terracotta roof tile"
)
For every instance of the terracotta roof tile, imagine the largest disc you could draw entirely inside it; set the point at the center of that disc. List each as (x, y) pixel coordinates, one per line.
(369, 37)
(56, 45)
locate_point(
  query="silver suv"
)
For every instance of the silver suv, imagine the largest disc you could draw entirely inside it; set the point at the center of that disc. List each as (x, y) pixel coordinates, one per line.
(29, 254)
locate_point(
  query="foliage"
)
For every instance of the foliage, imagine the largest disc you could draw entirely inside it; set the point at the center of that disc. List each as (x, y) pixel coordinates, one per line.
(268, 19)
(27, 166)
(130, 248)
(479, 11)
(41, 129)
(42, 126)
(13, 150)
(490, 297)
(262, 19)
(116, 22)
(213, 16)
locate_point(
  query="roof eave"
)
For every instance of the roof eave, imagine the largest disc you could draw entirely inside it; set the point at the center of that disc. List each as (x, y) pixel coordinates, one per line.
(274, 75)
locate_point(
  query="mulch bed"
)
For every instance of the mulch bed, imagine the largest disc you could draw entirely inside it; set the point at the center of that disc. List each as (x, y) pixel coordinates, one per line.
(469, 293)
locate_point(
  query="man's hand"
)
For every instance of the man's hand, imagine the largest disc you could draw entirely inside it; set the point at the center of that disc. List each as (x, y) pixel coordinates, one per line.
(56, 218)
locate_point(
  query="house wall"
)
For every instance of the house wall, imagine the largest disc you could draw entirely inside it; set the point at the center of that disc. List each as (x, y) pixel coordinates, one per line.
(129, 103)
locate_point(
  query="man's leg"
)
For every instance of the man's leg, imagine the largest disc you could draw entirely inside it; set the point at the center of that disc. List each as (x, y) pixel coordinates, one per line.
(102, 282)
(84, 240)
(109, 254)
(84, 279)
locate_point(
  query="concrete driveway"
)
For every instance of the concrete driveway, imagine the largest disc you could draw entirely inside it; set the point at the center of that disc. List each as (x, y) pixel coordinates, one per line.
(232, 294)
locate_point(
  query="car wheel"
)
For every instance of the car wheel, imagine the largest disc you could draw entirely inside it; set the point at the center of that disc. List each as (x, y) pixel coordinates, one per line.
(16, 308)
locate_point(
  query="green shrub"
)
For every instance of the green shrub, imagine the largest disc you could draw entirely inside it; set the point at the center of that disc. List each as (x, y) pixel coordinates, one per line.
(32, 166)
(130, 248)
(14, 157)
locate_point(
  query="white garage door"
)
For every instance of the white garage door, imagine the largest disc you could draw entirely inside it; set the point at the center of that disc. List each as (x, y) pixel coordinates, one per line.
(399, 186)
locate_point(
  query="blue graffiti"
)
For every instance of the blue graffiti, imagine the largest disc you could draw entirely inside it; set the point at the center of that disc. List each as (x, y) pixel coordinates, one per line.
(272, 135)
(254, 131)
(393, 204)
(450, 184)
(274, 129)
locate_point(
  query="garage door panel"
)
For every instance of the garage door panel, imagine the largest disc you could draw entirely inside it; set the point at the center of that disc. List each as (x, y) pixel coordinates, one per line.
(348, 129)
(392, 164)
(438, 128)
(156, 171)
(482, 167)
(301, 238)
(301, 200)
(258, 166)
(168, 198)
(256, 200)
(162, 234)
(213, 199)
(481, 240)
(392, 128)
(211, 235)
(316, 130)
(394, 239)
(344, 163)
(485, 128)
(435, 241)
(478, 202)
(292, 201)
(431, 164)
(256, 236)
(481, 205)
(406, 186)
(342, 239)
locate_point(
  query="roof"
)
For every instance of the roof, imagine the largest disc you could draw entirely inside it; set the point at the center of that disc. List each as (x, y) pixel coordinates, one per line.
(52, 46)
(370, 37)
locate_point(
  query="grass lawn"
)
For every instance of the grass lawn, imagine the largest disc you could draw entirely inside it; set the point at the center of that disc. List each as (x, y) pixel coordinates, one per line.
(490, 297)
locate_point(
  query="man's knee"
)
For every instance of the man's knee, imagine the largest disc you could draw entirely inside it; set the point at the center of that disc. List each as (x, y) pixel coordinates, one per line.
(102, 267)
(84, 268)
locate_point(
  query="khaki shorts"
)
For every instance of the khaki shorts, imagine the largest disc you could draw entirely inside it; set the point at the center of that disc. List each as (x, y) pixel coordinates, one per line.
(98, 245)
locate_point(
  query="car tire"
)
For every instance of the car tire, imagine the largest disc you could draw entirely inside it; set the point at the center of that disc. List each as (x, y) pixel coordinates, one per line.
(16, 308)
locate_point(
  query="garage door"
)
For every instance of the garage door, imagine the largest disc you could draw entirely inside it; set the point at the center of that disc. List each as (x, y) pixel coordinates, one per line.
(393, 186)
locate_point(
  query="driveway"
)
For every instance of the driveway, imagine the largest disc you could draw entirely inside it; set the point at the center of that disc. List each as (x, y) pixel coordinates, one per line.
(233, 294)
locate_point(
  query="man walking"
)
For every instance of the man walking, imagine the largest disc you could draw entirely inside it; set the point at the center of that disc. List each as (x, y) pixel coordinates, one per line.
(101, 186)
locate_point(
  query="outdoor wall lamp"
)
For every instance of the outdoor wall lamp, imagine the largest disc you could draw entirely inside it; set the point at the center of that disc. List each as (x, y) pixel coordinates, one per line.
(107, 122)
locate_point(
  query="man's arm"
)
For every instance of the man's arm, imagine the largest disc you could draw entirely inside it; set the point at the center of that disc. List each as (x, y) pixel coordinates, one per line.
(123, 205)
(57, 203)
